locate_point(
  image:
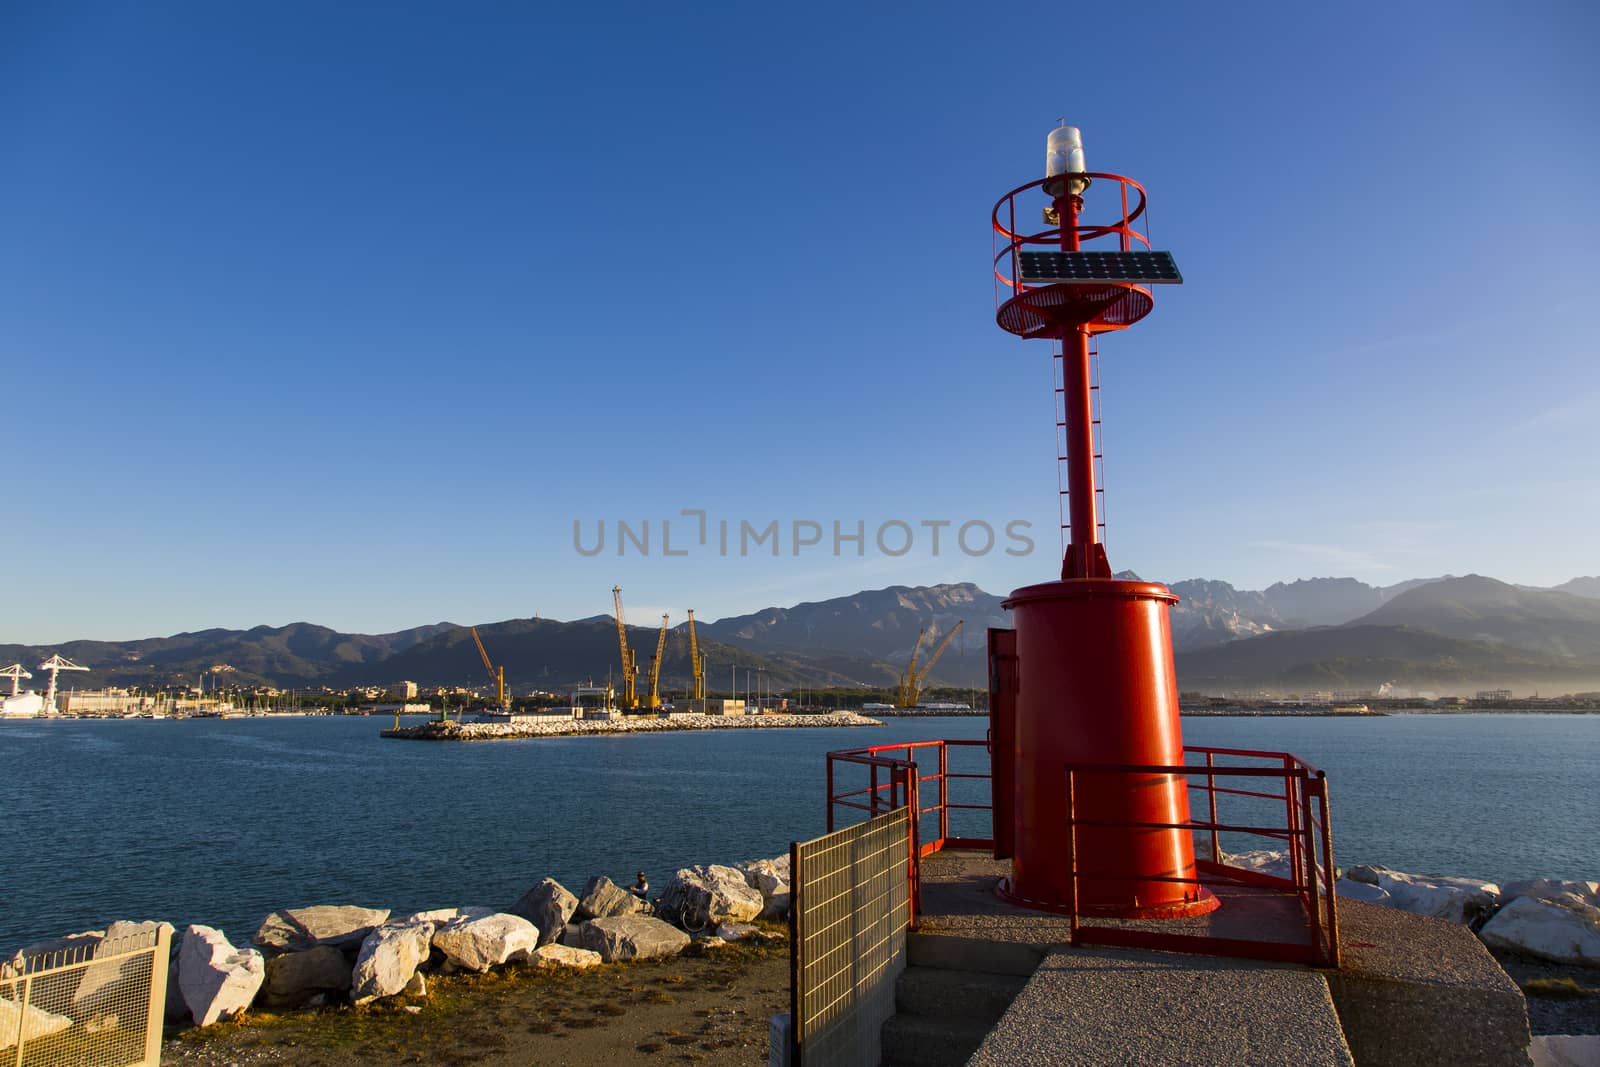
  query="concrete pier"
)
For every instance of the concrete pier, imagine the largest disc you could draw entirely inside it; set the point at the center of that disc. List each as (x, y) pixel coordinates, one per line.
(1411, 991)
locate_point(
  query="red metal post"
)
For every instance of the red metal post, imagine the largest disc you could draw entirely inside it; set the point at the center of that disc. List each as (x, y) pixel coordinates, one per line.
(914, 870)
(1313, 903)
(830, 793)
(1211, 791)
(1327, 871)
(944, 792)
(1002, 735)
(1292, 822)
(1081, 559)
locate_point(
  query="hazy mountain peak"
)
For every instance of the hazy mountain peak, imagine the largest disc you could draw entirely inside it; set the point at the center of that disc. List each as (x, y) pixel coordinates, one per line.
(1585, 587)
(1321, 601)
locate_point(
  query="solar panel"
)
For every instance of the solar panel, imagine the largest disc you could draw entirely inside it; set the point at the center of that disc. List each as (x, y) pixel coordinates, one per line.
(1048, 268)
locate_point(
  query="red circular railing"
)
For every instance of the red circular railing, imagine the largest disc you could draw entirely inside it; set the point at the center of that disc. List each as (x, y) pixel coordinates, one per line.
(1043, 310)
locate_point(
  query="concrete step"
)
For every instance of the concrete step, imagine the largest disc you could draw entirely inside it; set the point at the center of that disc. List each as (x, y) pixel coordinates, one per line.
(954, 953)
(918, 1041)
(963, 996)
(1157, 1009)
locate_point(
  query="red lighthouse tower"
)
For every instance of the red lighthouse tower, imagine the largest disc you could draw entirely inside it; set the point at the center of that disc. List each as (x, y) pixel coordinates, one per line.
(1087, 674)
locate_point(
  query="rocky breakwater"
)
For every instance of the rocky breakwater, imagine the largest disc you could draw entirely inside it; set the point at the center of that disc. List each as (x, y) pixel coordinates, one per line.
(450, 730)
(338, 955)
(1545, 918)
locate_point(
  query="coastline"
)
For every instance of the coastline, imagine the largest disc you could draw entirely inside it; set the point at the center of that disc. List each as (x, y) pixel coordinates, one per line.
(446, 730)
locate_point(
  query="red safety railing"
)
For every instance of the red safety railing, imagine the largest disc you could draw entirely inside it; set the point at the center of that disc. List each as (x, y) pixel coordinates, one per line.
(895, 779)
(1035, 310)
(1304, 832)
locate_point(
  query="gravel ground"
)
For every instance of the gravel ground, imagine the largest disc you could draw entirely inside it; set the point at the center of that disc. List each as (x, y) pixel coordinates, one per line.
(1566, 1014)
(710, 1009)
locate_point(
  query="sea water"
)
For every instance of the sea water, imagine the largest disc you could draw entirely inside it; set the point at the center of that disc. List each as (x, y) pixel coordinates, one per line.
(221, 821)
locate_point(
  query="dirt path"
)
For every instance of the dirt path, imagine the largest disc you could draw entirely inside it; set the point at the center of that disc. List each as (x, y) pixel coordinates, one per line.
(710, 1009)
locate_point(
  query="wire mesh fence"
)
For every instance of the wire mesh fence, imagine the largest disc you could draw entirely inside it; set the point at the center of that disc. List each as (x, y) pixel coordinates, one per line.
(95, 1004)
(852, 908)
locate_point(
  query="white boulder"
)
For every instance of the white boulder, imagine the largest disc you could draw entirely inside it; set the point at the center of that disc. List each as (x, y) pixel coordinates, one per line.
(1564, 928)
(603, 898)
(218, 981)
(104, 984)
(33, 1023)
(338, 925)
(1350, 889)
(1272, 862)
(562, 956)
(478, 944)
(1461, 900)
(17, 963)
(632, 937)
(295, 977)
(772, 882)
(1589, 892)
(549, 906)
(388, 959)
(445, 915)
(698, 898)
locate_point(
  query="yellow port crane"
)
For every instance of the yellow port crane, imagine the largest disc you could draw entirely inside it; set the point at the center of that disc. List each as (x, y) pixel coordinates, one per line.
(496, 674)
(653, 698)
(910, 689)
(696, 664)
(630, 660)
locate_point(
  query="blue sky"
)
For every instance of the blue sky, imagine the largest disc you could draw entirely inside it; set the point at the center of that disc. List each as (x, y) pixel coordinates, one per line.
(347, 313)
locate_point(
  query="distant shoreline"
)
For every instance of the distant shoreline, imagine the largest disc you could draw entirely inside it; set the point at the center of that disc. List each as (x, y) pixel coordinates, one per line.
(446, 730)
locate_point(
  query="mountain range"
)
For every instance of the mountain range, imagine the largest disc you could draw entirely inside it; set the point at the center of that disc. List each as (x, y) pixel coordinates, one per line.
(1450, 633)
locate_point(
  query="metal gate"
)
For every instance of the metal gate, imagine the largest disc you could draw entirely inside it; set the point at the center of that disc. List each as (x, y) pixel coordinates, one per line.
(95, 1005)
(852, 907)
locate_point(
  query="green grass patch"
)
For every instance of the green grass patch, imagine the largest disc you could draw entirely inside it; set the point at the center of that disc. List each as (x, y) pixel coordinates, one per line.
(1558, 989)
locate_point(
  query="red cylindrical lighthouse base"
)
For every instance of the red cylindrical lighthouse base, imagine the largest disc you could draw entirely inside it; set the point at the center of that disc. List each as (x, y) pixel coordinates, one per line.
(1096, 686)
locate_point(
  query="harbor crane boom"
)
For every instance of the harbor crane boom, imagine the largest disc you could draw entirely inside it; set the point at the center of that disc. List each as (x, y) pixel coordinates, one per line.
(910, 672)
(16, 673)
(55, 665)
(496, 674)
(630, 660)
(696, 664)
(653, 700)
(911, 681)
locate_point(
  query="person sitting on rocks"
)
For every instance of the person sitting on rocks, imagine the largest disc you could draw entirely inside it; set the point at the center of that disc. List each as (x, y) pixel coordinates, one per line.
(641, 888)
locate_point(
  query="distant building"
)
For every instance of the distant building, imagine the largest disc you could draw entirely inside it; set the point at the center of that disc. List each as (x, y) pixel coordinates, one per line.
(396, 709)
(107, 702)
(406, 691)
(594, 702)
(723, 706)
(1493, 694)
